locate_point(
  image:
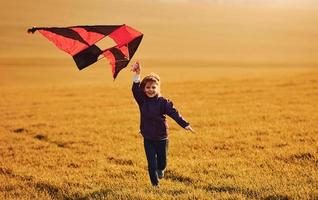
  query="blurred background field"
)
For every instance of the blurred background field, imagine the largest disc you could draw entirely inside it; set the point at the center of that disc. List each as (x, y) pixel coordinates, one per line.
(244, 74)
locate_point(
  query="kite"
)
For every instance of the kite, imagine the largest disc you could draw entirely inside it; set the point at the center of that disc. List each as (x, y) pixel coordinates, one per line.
(80, 43)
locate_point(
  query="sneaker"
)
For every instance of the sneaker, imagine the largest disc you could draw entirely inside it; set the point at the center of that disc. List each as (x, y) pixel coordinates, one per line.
(161, 173)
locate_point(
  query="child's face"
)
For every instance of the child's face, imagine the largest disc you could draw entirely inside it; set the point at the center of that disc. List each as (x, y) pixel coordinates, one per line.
(151, 89)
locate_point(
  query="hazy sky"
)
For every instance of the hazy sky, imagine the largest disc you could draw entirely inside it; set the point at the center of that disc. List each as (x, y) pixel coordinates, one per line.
(274, 2)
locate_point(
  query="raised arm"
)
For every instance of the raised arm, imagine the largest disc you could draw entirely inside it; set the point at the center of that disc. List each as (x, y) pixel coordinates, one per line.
(136, 90)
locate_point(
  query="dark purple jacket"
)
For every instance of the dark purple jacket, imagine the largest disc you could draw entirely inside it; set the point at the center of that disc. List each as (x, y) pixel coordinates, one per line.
(153, 124)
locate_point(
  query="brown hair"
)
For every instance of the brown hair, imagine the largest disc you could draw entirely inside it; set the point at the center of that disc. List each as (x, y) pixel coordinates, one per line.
(152, 77)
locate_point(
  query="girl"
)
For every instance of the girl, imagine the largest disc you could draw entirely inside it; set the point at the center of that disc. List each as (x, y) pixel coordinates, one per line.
(153, 126)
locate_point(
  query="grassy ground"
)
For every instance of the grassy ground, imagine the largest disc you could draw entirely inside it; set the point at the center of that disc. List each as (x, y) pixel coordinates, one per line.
(75, 134)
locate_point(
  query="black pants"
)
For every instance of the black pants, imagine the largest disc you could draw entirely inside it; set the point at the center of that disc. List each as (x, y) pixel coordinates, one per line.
(156, 153)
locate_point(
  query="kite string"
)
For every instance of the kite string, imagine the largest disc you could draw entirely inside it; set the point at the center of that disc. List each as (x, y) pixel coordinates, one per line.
(116, 60)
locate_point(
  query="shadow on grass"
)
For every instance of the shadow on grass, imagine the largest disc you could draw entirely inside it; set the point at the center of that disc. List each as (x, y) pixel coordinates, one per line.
(174, 176)
(20, 130)
(54, 191)
(58, 193)
(101, 194)
(41, 137)
(277, 197)
(105, 193)
(299, 158)
(229, 189)
(120, 161)
(250, 194)
(44, 138)
(9, 173)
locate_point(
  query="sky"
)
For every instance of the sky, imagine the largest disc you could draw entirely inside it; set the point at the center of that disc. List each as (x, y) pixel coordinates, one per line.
(173, 31)
(251, 2)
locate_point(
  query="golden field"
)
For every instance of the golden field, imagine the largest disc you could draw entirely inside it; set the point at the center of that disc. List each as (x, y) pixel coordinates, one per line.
(245, 76)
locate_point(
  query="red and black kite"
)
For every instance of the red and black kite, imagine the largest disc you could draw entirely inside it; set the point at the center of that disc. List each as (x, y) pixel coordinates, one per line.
(79, 42)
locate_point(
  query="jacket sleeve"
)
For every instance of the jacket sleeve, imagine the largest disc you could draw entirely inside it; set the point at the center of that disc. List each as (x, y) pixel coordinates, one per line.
(174, 114)
(138, 95)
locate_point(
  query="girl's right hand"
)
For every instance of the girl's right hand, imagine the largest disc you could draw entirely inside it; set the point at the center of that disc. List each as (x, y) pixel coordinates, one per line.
(189, 128)
(136, 67)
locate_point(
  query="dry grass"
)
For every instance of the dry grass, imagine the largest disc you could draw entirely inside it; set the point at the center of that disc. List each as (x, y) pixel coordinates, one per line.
(256, 135)
(246, 78)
